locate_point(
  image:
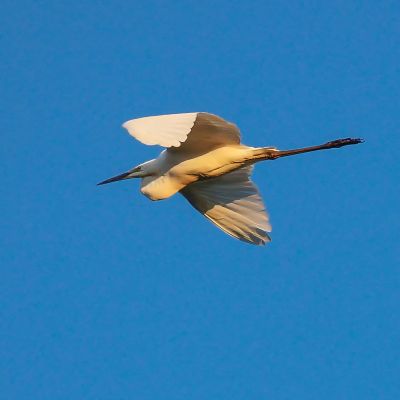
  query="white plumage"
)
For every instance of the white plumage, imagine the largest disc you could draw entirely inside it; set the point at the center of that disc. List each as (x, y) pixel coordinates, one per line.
(164, 130)
(233, 203)
(207, 164)
(206, 130)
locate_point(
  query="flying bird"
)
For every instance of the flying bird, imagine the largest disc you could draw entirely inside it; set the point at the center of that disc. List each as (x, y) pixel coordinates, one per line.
(206, 162)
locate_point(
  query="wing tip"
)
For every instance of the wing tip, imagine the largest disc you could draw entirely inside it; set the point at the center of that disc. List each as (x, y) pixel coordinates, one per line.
(262, 241)
(127, 125)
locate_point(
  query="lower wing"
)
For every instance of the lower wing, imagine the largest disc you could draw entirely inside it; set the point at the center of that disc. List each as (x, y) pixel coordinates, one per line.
(233, 203)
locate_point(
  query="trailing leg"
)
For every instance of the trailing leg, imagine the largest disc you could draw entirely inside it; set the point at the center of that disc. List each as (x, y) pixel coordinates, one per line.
(268, 153)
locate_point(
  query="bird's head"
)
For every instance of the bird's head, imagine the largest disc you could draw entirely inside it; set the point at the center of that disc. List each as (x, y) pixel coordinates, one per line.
(140, 171)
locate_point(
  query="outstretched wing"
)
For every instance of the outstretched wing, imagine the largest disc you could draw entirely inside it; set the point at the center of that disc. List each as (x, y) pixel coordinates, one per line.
(233, 203)
(197, 131)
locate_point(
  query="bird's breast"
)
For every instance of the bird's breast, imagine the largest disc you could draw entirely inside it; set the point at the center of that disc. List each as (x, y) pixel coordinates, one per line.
(161, 187)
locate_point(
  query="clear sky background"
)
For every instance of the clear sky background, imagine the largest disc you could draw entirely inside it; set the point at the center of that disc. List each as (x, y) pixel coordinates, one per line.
(106, 295)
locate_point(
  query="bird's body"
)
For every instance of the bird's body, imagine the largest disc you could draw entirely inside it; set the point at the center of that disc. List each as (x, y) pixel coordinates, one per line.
(207, 164)
(174, 171)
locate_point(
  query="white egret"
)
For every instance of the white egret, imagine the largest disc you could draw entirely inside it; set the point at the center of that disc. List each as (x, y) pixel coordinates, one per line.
(207, 164)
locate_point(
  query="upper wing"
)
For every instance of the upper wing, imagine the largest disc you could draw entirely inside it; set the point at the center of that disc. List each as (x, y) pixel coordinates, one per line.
(233, 203)
(191, 131)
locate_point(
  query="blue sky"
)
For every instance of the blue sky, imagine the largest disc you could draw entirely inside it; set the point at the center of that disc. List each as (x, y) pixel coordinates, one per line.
(106, 295)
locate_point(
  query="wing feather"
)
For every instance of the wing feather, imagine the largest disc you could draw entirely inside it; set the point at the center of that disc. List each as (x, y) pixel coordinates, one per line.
(232, 202)
(197, 131)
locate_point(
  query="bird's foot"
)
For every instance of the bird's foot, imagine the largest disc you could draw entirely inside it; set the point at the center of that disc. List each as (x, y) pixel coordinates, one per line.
(344, 142)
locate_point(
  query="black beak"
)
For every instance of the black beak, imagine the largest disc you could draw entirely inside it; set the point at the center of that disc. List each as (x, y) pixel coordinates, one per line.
(120, 177)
